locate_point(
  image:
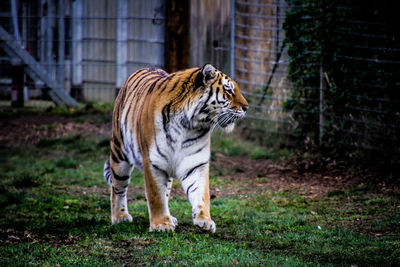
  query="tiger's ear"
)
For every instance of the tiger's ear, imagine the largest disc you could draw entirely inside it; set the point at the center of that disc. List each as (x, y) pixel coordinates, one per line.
(209, 73)
(206, 75)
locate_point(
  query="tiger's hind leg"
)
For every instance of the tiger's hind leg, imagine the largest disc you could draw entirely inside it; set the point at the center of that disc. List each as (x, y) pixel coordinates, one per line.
(118, 173)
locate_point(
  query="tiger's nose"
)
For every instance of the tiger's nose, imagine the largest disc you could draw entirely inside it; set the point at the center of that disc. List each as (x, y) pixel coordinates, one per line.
(245, 108)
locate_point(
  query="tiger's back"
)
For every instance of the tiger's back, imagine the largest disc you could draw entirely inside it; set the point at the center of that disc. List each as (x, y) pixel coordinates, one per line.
(161, 125)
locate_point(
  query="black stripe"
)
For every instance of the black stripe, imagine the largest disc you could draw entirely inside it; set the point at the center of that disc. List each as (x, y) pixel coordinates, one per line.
(134, 75)
(122, 192)
(117, 117)
(159, 150)
(166, 118)
(126, 115)
(164, 83)
(194, 190)
(160, 170)
(135, 159)
(199, 80)
(181, 94)
(121, 134)
(137, 82)
(193, 169)
(107, 172)
(120, 154)
(153, 85)
(116, 142)
(216, 96)
(206, 103)
(175, 84)
(190, 76)
(108, 178)
(141, 73)
(187, 190)
(165, 115)
(183, 90)
(145, 86)
(199, 150)
(119, 178)
(202, 134)
(185, 122)
(114, 158)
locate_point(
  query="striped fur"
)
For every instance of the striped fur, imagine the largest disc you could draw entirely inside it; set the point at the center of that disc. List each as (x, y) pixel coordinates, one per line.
(161, 125)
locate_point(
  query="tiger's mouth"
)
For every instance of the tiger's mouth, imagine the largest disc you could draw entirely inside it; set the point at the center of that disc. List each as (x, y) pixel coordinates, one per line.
(227, 119)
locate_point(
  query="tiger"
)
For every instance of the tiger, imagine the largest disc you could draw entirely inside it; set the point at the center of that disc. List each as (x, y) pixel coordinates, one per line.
(162, 125)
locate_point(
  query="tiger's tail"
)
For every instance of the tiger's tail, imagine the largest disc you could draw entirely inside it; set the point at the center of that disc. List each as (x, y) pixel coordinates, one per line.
(107, 172)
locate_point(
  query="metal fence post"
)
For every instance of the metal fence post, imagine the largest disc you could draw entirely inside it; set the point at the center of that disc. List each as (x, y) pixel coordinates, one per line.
(61, 45)
(122, 43)
(49, 36)
(77, 47)
(15, 21)
(232, 39)
(42, 34)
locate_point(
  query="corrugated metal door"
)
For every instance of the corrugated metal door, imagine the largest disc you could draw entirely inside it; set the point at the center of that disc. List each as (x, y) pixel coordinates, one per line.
(146, 38)
(112, 39)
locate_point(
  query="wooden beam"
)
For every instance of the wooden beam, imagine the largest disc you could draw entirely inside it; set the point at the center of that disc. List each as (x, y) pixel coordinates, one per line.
(177, 35)
(17, 90)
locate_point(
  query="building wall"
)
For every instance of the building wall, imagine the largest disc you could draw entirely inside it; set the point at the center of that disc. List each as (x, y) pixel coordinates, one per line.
(210, 33)
(140, 43)
(99, 50)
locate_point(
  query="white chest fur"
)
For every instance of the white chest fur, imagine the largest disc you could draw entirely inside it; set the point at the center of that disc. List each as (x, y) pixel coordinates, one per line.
(181, 151)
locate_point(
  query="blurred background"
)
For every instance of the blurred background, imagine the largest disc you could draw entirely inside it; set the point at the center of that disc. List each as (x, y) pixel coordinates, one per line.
(319, 75)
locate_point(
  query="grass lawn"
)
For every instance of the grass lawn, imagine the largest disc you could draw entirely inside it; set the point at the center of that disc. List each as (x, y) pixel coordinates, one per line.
(55, 210)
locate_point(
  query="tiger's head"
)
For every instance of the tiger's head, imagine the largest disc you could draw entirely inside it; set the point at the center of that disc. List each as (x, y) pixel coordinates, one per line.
(221, 102)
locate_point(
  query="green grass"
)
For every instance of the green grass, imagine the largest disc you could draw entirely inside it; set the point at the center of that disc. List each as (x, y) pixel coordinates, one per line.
(92, 112)
(230, 145)
(55, 210)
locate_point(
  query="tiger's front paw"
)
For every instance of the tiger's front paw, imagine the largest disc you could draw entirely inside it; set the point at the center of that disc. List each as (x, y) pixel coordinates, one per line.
(205, 223)
(121, 216)
(167, 223)
(174, 221)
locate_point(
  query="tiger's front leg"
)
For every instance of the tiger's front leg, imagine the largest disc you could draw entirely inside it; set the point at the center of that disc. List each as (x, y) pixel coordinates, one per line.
(196, 185)
(158, 187)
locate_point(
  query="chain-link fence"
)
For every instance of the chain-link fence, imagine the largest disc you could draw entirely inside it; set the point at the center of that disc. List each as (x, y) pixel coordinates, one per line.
(330, 83)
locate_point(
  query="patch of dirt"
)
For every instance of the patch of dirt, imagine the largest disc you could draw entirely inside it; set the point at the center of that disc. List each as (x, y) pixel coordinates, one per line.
(30, 129)
(11, 236)
(260, 176)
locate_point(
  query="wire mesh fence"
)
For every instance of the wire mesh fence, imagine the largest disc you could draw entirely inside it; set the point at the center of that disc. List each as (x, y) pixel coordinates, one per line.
(331, 82)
